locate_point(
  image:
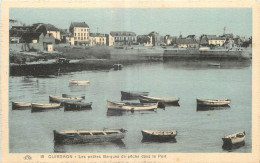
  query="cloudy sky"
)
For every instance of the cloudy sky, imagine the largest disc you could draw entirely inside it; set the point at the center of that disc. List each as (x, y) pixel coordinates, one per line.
(171, 21)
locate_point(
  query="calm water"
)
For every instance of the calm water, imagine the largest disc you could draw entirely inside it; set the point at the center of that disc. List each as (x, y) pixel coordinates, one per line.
(198, 131)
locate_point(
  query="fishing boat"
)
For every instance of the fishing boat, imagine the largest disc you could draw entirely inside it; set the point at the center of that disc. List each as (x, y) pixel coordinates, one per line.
(233, 139)
(57, 99)
(213, 102)
(88, 136)
(133, 94)
(118, 66)
(162, 100)
(214, 64)
(159, 135)
(37, 107)
(79, 82)
(66, 95)
(70, 106)
(21, 105)
(131, 106)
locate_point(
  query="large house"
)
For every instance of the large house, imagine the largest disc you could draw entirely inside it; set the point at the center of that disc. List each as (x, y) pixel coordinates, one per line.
(80, 31)
(157, 40)
(110, 40)
(16, 32)
(145, 40)
(97, 39)
(48, 29)
(206, 40)
(123, 37)
(185, 43)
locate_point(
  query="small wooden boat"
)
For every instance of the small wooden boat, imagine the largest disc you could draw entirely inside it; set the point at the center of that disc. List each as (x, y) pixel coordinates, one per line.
(213, 102)
(79, 82)
(21, 105)
(69, 106)
(131, 106)
(162, 100)
(118, 66)
(133, 94)
(36, 107)
(159, 135)
(233, 139)
(214, 64)
(88, 136)
(66, 95)
(57, 99)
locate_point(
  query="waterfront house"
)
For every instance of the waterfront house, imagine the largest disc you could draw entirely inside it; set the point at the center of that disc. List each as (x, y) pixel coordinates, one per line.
(185, 43)
(49, 29)
(110, 40)
(123, 37)
(36, 41)
(144, 40)
(80, 31)
(157, 40)
(16, 32)
(97, 39)
(168, 40)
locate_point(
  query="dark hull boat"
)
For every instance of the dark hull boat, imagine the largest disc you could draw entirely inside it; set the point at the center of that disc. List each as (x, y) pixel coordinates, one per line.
(57, 99)
(77, 106)
(118, 66)
(66, 95)
(159, 135)
(88, 136)
(213, 102)
(36, 107)
(234, 140)
(161, 101)
(132, 95)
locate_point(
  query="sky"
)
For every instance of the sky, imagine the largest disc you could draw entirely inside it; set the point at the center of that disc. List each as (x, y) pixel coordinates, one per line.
(171, 21)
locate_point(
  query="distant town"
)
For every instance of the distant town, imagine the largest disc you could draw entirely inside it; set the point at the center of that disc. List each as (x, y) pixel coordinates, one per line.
(43, 37)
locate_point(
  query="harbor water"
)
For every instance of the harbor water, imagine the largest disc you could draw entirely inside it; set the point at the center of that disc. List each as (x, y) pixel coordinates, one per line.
(198, 131)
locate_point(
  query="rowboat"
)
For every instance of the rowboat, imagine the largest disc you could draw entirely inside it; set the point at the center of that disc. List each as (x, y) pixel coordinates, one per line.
(159, 135)
(160, 104)
(213, 102)
(69, 106)
(88, 136)
(131, 106)
(79, 82)
(37, 107)
(57, 99)
(162, 100)
(233, 139)
(21, 105)
(66, 95)
(118, 66)
(214, 64)
(133, 94)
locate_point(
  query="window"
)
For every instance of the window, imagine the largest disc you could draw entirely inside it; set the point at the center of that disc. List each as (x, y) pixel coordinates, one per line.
(78, 34)
(84, 34)
(75, 34)
(81, 30)
(75, 38)
(84, 30)
(84, 38)
(81, 34)
(79, 38)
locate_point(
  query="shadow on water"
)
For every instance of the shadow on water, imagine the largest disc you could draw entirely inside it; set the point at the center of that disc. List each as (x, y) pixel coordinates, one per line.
(207, 64)
(232, 147)
(148, 141)
(61, 148)
(69, 109)
(125, 98)
(207, 108)
(121, 112)
(77, 88)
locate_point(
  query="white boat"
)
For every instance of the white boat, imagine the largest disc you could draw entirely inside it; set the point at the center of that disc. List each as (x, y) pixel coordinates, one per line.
(21, 105)
(57, 99)
(131, 106)
(37, 107)
(213, 102)
(163, 100)
(79, 82)
(234, 138)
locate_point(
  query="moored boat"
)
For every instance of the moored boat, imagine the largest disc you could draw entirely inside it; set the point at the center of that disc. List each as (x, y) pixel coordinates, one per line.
(70, 106)
(159, 135)
(57, 99)
(37, 107)
(132, 94)
(233, 139)
(131, 106)
(88, 136)
(213, 102)
(66, 95)
(79, 82)
(162, 100)
(21, 105)
(214, 64)
(118, 66)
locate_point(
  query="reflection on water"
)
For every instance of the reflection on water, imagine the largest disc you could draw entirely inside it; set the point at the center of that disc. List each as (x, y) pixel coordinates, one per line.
(77, 88)
(206, 108)
(64, 148)
(159, 141)
(232, 147)
(111, 112)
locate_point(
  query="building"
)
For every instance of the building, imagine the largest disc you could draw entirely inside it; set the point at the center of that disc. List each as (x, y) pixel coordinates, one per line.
(157, 40)
(16, 32)
(145, 40)
(36, 41)
(48, 29)
(110, 40)
(168, 40)
(80, 31)
(123, 37)
(186, 43)
(97, 39)
(209, 40)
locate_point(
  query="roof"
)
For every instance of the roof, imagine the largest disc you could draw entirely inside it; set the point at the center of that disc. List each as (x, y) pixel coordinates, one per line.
(216, 38)
(122, 33)
(96, 35)
(29, 36)
(79, 24)
(50, 27)
(186, 41)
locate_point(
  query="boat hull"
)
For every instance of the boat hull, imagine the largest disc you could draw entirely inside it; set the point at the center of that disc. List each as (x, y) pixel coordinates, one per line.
(234, 139)
(152, 137)
(78, 138)
(56, 99)
(131, 107)
(79, 82)
(133, 94)
(161, 100)
(70, 106)
(66, 95)
(211, 102)
(21, 105)
(44, 107)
